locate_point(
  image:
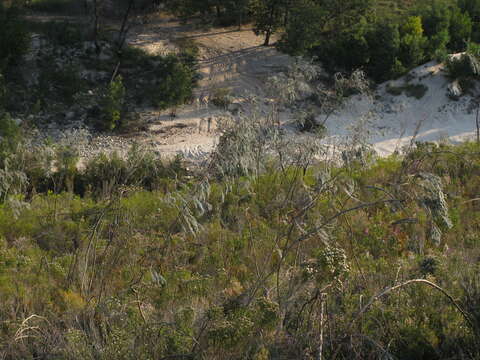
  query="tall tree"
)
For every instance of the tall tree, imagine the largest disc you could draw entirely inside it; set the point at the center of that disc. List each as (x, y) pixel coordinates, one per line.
(268, 17)
(303, 28)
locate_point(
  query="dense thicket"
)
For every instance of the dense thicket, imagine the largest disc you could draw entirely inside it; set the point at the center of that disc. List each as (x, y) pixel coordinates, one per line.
(287, 259)
(386, 38)
(385, 43)
(14, 38)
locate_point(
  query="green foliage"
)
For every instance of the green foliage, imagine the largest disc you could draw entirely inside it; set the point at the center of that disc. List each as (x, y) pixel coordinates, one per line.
(412, 42)
(243, 267)
(384, 38)
(463, 66)
(14, 36)
(461, 28)
(384, 43)
(175, 87)
(301, 33)
(112, 105)
(3, 93)
(267, 17)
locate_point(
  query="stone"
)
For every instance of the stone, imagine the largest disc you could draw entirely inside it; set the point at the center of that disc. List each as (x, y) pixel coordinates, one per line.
(454, 90)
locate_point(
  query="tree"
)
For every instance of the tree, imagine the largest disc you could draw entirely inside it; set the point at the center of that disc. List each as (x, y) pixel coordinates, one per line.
(472, 8)
(461, 27)
(176, 85)
(236, 12)
(384, 45)
(267, 17)
(412, 42)
(304, 28)
(436, 23)
(14, 37)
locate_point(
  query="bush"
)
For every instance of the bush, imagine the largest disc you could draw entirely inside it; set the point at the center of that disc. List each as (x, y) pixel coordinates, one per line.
(417, 91)
(112, 105)
(161, 81)
(175, 83)
(221, 97)
(59, 83)
(465, 65)
(105, 174)
(14, 36)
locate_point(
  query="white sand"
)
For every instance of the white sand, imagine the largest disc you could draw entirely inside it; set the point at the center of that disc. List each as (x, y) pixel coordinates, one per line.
(236, 60)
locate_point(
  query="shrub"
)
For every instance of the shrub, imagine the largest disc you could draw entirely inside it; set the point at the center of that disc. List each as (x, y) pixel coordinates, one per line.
(417, 91)
(465, 65)
(221, 97)
(394, 90)
(112, 105)
(175, 83)
(306, 122)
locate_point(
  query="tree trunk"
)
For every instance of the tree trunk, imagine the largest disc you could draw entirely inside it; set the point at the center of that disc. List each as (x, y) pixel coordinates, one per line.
(96, 26)
(268, 34)
(269, 31)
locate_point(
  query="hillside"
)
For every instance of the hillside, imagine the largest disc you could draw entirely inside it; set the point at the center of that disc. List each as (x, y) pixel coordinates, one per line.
(235, 180)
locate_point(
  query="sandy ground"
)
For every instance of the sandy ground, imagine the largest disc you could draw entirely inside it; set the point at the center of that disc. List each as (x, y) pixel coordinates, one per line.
(229, 59)
(235, 59)
(395, 121)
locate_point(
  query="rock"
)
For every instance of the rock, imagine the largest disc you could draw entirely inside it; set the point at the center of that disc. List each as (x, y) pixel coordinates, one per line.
(454, 90)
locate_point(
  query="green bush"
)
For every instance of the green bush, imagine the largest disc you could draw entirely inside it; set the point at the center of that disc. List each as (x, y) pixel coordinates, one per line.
(161, 81)
(112, 105)
(417, 91)
(175, 83)
(222, 97)
(463, 66)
